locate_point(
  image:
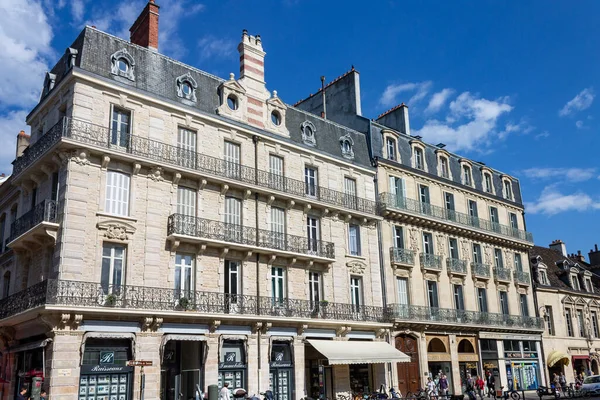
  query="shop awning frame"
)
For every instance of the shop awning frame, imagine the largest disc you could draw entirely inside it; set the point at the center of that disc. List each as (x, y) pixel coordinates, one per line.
(179, 337)
(107, 335)
(30, 346)
(556, 357)
(358, 352)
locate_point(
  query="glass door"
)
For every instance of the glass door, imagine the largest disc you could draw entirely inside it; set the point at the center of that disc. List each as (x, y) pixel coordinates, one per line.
(281, 383)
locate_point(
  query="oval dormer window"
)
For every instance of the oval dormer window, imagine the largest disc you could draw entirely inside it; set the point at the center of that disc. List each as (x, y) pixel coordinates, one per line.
(276, 118)
(232, 102)
(123, 65)
(186, 89)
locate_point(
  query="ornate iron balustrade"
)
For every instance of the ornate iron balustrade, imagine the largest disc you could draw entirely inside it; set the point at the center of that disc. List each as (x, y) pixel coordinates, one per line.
(203, 228)
(456, 266)
(89, 294)
(479, 269)
(502, 274)
(402, 203)
(42, 212)
(431, 261)
(101, 136)
(448, 315)
(402, 256)
(522, 277)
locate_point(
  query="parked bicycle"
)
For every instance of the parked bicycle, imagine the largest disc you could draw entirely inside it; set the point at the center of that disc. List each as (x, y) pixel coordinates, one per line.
(510, 393)
(421, 394)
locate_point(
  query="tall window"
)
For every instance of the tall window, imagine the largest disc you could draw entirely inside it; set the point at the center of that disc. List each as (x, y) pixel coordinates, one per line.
(444, 169)
(508, 190)
(278, 284)
(186, 144)
(350, 199)
(427, 243)
(482, 299)
(6, 284)
(398, 191)
(418, 154)
(184, 274)
(575, 281)
(487, 184)
(595, 324)
(311, 181)
(55, 187)
(314, 288)
(432, 294)
(276, 177)
(472, 206)
(312, 232)
(459, 302)
(467, 175)
(477, 253)
(580, 323)
(569, 322)
(33, 198)
(117, 193)
(354, 239)
(524, 305)
(504, 303)
(402, 291)
(453, 247)
(113, 267)
(233, 219)
(232, 160)
(186, 201)
(494, 219)
(2, 229)
(233, 279)
(549, 320)
(449, 203)
(390, 145)
(514, 224)
(121, 127)
(278, 227)
(498, 261)
(543, 276)
(398, 237)
(424, 198)
(518, 263)
(356, 292)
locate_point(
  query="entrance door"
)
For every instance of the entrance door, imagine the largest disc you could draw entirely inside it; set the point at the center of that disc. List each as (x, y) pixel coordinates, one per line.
(281, 383)
(408, 373)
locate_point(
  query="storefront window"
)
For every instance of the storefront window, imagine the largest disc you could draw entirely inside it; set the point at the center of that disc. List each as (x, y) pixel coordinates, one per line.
(232, 364)
(104, 373)
(360, 378)
(281, 373)
(182, 370)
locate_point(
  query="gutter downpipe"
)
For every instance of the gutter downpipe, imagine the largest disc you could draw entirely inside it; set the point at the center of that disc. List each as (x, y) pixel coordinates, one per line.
(255, 140)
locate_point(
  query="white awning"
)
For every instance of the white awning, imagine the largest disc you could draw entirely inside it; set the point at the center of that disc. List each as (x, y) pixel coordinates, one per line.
(358, 352)
(30, 346)
(179, 337)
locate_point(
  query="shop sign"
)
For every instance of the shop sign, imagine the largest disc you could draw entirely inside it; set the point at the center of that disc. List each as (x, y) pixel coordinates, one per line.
(278, 360)
(509, 336)
(139, 363)
(107, 357)
(98, 369)
(519, 355)
(169, 356)
(231, 362)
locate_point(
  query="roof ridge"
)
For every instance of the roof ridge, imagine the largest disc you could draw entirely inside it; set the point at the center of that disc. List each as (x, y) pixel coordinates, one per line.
(391, 109)
(352, 69)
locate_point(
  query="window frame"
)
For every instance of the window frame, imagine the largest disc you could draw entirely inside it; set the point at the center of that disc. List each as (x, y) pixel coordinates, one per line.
(109, 287)
(115, 203)
(354, 245)
(315, 282)
(180, 287)
(390, 143)
(549, 320)
(569, 323)
(482, 302)
(503, 302)
(488, 183)
(406, 294)
(419, 155)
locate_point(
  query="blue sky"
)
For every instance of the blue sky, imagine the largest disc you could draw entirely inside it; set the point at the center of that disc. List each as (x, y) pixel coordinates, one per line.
(512, 83)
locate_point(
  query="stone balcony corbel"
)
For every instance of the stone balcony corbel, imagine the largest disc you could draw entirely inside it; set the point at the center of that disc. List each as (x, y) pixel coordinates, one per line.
(203, 183)
(105, 161)
(224, 189)
(291, 204)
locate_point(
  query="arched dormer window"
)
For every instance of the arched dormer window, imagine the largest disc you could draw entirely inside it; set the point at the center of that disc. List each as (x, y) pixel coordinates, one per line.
(122, 64)
(308, 133)
(466, 172)
(507, 188)
(347, 146)
(186, 87)
(418, 154)
(390, 145)
(488, 181)
(443, 159)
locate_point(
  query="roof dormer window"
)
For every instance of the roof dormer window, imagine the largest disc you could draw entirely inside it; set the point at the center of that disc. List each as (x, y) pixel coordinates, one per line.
(508, 193)
(308, 133)
(575, 282)
(588, 284)
(186, 87)
(122, 64)
(543, 277)
(444, 167)
(390, 145)
(487, 182)
(347, 146)
(418, 158)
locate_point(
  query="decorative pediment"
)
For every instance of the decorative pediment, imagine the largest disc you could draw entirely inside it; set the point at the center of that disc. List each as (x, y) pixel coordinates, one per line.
(233, 86)
(186, 87)
(276, 102)
(568, 300)
(117, 230)
(356, 267)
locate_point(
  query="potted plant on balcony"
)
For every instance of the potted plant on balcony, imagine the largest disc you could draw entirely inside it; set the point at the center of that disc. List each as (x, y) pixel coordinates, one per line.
(110, 300)
(184, 303)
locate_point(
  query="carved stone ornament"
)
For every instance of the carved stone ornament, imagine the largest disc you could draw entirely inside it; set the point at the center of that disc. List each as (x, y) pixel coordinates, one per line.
(156, 174)
(186, 87)
(441, 244)
(80, 157)
(308, 133)
(116, 230)
(414, 239)
(357, 267)
(347, 146)
(118, 68)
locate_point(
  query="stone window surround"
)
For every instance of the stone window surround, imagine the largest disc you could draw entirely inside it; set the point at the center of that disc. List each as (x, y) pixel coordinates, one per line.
(507, 179)
(466, 163)
(127, 265)
(347, 139)
(488, 171)
(125, 168)
(123, 54)
(180, 81)
(310, 140)
(441, 153)
(417, 144)
(389, 134)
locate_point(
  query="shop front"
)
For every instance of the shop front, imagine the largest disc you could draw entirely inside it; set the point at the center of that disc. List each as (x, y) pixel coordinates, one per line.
(182, 367)
(489, 358)
(104, 373)
(30, 360)
(581, 364)
(233, 366)
(522, 364)
(439, 360)
(468, 359)
(281, 370)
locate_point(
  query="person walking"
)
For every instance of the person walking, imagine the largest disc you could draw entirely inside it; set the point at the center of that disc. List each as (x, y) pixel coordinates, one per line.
(491, 384)
(562, 382)
(443, 385)
(470, 387)
(430, 388)
(480, 384)
(22, 393)
(224, 393)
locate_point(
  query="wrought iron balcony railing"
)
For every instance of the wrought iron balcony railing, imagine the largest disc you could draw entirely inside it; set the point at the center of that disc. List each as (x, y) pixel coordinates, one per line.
(89, 294)
(430, 261)
(42, 212)
(448, 315)
(502, 274)
(101, 136)
(481, 270)
(457, 266)
(181, 224)
(389, 200)
(522, 277)
(402, 256)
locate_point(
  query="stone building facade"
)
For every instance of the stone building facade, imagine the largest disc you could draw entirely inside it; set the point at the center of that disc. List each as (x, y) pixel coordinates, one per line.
(161, 214)
(454, 252)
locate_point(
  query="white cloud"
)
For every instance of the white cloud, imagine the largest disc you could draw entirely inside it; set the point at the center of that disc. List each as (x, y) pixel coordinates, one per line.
(470, 125)
(579, 124)
(580, 102)
(438, 100)
(551, 201)
(212, 47)
(542, 135)
(391, 92)
(567, 174)
(77, 9)
(10, 125)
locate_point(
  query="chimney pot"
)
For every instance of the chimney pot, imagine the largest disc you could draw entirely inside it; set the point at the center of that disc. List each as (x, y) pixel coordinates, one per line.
(144, 31)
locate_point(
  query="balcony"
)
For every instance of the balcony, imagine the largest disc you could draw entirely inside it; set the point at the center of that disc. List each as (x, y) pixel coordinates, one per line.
(430, 261)
(65, 294)
(155, 152)
(218, 233)
(522, 277)
(502, 274)
(390, 202)
(37, 225)
(456, 266)
(429, 315)
(480, 270)
(402, 256)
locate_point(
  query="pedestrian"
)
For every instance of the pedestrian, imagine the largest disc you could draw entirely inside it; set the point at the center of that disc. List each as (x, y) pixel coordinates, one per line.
(556, 381)
(22, 393)
(480, 384)
(224, 394)
(491, 384)
(443, 385)
(430, 387)
(562, 382)
(43, 395)
(470, 387)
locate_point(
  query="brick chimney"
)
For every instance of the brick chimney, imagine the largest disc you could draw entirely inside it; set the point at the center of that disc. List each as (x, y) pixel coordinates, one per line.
(396, 118)
(22, 143)
(559, 246)
(594, 256)
(252, 65)
(144, 31)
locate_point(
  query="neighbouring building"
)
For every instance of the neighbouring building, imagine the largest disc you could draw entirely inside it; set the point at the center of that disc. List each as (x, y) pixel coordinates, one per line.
(454, 252)
(159, 213)
(568, 299)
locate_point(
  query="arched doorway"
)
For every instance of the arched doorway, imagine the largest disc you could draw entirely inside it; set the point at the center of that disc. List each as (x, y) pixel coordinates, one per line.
(467, 360)
(436, 346)
(408, 373)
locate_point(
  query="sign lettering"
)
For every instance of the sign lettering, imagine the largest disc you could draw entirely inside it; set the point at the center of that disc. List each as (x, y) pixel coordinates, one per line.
(139, 363)
(107, 357)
